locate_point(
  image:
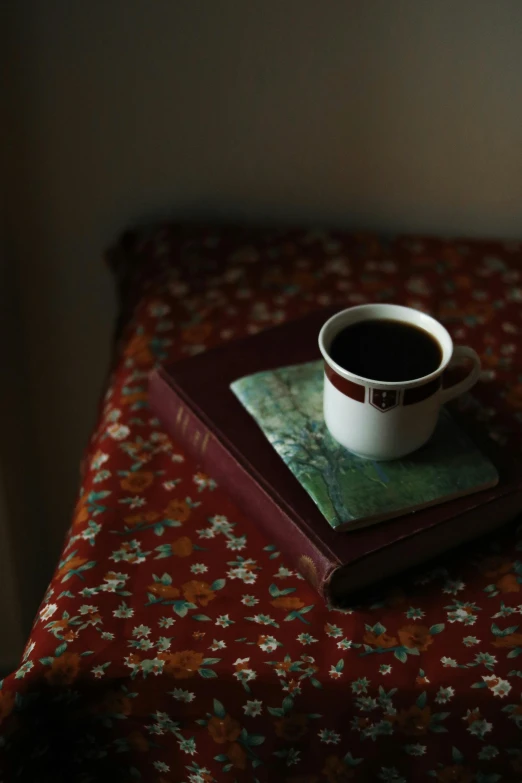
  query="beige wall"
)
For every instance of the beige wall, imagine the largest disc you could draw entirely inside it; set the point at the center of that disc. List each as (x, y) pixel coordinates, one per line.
(403, 115)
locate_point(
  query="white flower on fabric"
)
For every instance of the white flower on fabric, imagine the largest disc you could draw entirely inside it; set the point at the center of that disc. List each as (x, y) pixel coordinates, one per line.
(220, 524)
(444, 694)
(23, 670)
(224, 621)
(249, 600)
(188, 746)
(206, 532)
(488, 752)
(453, 586)
(268, 643)
(329, 736)
(415, 750)
(28, 650)
(198, 568)
(283, 573)
(166, 622)
(99, 459)
(158, 309)
(479, 728)
(123, 611)
(497, 686)
(450, 662)
(118, 431)
(253, 708)
(245, 675)
(47, 611)
(469, 641)
(140, 631)
(181, 695)
(306, 638)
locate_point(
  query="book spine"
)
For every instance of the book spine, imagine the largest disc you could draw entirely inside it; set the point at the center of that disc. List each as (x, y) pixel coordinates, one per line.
(187, 429)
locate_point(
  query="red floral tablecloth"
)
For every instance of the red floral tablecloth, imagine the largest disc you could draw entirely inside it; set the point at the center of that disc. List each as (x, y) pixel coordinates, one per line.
(176, 644)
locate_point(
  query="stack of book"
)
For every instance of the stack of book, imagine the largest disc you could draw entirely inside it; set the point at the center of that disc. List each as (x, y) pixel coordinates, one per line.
(250, 412)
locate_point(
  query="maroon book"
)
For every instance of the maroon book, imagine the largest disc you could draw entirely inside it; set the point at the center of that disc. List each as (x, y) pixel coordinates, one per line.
(194, 401)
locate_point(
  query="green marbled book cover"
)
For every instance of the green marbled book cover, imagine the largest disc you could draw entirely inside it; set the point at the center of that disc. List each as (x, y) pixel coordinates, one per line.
(287, 404)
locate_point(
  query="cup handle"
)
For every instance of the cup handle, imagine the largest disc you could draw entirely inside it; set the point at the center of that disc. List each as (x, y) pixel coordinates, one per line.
(462, 352)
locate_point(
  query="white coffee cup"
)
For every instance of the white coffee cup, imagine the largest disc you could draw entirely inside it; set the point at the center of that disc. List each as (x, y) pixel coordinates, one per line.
(387, 420)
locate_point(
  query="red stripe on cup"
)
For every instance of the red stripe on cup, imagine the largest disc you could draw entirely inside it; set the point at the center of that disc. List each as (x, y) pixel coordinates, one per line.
(346, 387)
(420, 393)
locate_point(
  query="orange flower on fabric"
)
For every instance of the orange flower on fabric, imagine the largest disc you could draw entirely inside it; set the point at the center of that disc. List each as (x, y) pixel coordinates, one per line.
(131, 556)
(451, 256)
(415, 721)
(489, 360)
(241, 664)
(495, 567)
(197, 333)
(138, 349)
(163, 591)
(178, 510)
(138, 742)
(336, 770)
(396, 598)
(224, 729)
(7, 700)
(60, 625)
(287, 602)
(81, 512)
(462, 281)
(291, 727)
(455, 774)
(64, 669)
(473, 716)
(305, 280)
(292, 686)
(182, 547)
(237, 755)
(512, 640)
(182, 665)
(138, 481)
(142, 519)
(130, 399)
(415, 637)
(115, 703)
(197, 592)
(380, 640)
(70, 565)
(508, 584)
(514, 396)
(111, 576)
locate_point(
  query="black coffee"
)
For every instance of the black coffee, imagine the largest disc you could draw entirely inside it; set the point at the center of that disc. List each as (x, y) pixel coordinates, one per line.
(386, 350)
